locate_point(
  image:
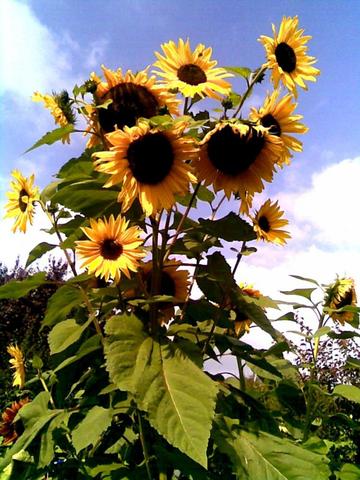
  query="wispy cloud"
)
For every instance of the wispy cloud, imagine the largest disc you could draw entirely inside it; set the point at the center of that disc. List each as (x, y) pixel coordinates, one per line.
(97, 53)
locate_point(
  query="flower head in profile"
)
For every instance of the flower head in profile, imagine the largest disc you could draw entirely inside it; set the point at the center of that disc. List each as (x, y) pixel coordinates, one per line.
(152, 165)
(237, 157)
(113, 248)
(9, 429)
(60, 108)
(17, 363)
(287, 56)
(341, 294)
(131, 96)
(192, 73)
(268, 223)
(241, 321)
(277, 115)
(21, 201)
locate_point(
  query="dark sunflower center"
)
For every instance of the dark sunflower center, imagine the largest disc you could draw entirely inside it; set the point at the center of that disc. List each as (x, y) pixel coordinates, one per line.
(191, 74)
(285, 57)
(345, 300)
(264, 223)
(240, 316)
(129, 102)
(23, 205)
(150, 158)
(232, 153)
(270, 122)
(167, 284)
(110, 249)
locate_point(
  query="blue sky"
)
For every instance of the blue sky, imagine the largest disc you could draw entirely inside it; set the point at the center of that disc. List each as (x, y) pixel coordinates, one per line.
(51, 45)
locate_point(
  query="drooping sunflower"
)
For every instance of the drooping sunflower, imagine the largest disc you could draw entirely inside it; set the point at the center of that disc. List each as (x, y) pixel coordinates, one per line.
(277, 115)
(21, 200)
(17, 363)
(268, 222)
(192, 73)
(150, 163)
(237, 158)
(287, 56)
(341, 294)
(60, 108)
(172, 282)
(113, 248)
(9, 429)
(132, 96)
(241, 322)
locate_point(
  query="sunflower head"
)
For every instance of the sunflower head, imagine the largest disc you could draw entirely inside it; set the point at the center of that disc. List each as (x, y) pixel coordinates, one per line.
(241, 321)
(268, 222)
(21, 201)
(129, 97)
(9, 429)
(341, 294)
(17, 363)
(287, 56)
(191, 73)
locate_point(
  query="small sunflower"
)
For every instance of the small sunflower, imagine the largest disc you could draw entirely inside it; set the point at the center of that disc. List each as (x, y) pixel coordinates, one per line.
(17, 363)
(341, 294)
(268, 223)
(286, 55)
(132, 95)
(60, 108)
(9, 429)
(242, 322)
(151, 163)
(237, 158)
(21, 200)
(277, 115)
(192, 73)
(113, 248)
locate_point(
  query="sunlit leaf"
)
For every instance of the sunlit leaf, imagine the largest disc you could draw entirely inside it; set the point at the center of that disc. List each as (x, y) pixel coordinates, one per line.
(61, 303)
(65, 334)
(244, 72)
(39, 251)
(51, 137)
(350, 392)
(20, 288)
(97, 420)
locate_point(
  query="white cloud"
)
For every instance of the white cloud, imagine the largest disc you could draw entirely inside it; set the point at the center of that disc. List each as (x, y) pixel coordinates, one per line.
(97, 53)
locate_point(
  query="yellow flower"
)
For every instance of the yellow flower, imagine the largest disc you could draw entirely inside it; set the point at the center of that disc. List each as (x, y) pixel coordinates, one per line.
(192, 73)
(150, 163)
(21, 201)
(341, 294)
(17, 363)
(113, 248)
(132, 96)
(237, 158)
(60, 109)
(287, 56)
(268, 223)
(277, 115)
(242, 322)
(8, 428)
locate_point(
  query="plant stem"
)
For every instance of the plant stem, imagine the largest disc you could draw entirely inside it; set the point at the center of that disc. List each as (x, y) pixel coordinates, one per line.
(45, 387)
(249, 89)
(241, 374)
(239, 257)
(144, 446)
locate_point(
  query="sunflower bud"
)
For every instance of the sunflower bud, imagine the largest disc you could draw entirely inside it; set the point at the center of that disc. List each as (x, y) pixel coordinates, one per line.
(340, 294)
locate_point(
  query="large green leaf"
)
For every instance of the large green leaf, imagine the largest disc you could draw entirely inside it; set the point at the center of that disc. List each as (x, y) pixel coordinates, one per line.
(348, 472)
(61, 303)
(39, 251)
(350, 392)
(65, 334)
(78, 168)
(300, 292)
(239, 71)
(51, 137)
(47, 445)
(231, 228)
(178, 396)
(265, 456)
(19, 288)
(97, 420)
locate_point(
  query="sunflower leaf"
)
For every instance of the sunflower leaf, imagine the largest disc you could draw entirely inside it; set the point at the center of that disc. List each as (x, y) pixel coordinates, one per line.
(51, 137)
(244, 72)
(20, 288)
(61, 303)
(97, 420)
(38, 252)
(230, 228)
(350, 392)
(65, 334)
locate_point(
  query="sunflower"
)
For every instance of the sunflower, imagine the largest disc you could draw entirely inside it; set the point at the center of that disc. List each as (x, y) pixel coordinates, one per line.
(60, 108)
(113, 248)
(242, 322)
(151, 163)
(341, 294)
(192, 73)
(237, 158)
(21, 200)
(17, 363)
(286, 56)
(277, 115)
(268, 223)
(131, 97)
(172, 282)
(9, 429)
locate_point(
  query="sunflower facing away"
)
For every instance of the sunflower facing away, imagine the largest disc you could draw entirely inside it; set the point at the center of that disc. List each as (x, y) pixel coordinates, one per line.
(287, 56)
(150, 163)
(268, 222)
(277, 115)
(113, 248)
(17, 363)
(21, 201)
(132, 96)
(242, 322)
(341, 294)
(9, 429)
(237, 158)
(192, 73)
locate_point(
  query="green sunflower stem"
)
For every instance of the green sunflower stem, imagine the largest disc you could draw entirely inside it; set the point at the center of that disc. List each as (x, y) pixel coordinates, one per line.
(144, 446)
(261, 71)
(45, 387)
(239, 257)
(155, 277)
